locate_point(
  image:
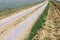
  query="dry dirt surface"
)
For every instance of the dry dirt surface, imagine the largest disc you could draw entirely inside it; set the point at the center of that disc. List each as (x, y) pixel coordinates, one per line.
(51, 29)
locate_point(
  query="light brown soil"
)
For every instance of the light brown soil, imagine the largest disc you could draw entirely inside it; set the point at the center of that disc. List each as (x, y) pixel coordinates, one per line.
(51, 29)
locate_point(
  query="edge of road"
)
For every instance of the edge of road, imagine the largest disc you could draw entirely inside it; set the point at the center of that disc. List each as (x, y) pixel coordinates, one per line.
(38, 25)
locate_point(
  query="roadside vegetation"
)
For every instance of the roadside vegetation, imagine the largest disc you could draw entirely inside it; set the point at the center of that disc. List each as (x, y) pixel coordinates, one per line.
(51, 29)
(39, 23)
(48, 23)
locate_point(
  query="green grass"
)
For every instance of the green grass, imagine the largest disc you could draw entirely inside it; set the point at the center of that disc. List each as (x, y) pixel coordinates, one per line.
(39, 23)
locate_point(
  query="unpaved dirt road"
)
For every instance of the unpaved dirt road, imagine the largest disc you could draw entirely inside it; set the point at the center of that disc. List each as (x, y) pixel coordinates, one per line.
(16, 26)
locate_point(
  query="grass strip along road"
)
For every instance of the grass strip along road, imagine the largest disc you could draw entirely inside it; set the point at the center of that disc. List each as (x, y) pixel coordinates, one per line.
(39, 23)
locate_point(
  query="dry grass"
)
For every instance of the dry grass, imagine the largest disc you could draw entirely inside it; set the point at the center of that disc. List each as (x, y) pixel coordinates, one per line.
(51, 30)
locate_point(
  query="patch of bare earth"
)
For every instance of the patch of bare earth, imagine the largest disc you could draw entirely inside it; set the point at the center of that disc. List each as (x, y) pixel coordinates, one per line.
(51, 29)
